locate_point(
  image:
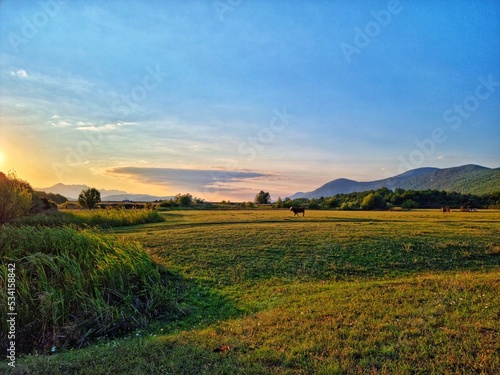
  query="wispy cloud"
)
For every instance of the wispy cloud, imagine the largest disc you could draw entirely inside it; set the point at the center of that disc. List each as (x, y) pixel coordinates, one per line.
(70, 83)
(104, 127)
(20, 73)
(60, 123)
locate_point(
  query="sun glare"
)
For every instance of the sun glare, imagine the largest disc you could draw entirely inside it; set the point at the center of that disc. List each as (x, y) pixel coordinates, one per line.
(2, 157)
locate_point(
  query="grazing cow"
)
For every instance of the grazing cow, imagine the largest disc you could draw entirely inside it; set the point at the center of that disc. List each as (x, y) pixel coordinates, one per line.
(297, 210)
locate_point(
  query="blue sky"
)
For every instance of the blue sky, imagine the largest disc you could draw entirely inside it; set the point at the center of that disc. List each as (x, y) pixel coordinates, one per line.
(225, 98)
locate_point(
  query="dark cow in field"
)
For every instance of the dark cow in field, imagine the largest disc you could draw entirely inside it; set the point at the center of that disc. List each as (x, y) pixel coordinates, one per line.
(297, 210)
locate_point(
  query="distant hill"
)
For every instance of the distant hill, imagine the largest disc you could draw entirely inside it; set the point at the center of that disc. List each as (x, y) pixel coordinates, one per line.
(466, 179)
(72, 191)
(135, 198)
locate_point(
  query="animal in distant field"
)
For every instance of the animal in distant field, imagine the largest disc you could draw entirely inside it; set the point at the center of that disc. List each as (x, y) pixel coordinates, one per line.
(445, 209)
(222, 349)
(297, 210)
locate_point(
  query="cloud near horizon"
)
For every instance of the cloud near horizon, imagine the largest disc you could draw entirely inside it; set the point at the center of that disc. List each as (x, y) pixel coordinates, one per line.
(192, 180)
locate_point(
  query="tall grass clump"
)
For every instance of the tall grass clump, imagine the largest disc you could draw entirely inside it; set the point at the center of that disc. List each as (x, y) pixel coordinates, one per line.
(76, 285)
(94, 218)
(118, 218)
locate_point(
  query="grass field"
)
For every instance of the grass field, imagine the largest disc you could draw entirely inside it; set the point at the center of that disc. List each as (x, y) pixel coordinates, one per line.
(92, 218)
(334, 292)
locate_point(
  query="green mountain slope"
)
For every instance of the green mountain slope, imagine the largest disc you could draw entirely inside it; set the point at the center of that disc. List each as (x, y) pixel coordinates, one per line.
(466, 179)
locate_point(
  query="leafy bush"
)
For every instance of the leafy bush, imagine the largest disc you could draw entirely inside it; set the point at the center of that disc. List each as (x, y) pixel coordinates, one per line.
(167, 204)
(56, 198)
(184, 200)
(409, 204)
(15, 198)
(72, 286)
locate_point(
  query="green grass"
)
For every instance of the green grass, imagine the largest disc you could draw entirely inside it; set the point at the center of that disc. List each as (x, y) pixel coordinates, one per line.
(93, 218)
(330, 293)
(76, 285)
(257, 245)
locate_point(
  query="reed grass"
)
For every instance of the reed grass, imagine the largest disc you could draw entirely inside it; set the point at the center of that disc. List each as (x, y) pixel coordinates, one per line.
(75, 285)
(99, 218)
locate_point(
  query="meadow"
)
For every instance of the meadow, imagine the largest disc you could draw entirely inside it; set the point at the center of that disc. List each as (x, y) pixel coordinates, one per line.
(335, 292)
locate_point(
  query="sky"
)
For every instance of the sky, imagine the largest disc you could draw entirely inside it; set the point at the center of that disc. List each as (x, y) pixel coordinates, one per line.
(224, 98)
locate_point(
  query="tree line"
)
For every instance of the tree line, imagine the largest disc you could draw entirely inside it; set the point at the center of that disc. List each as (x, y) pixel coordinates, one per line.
(384, 198)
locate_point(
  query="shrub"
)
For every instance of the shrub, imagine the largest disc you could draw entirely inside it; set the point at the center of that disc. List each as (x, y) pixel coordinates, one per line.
(69, 205)
(73, 286)
(184, 200)
(279, 203)
(167, 204)
(15, 198)
(56, 198)
(409, 204)
(349, 206)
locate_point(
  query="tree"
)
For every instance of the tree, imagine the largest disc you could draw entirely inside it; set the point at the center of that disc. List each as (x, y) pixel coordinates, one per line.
(279, 203)
(89, 198)
(263, 198)
(15, 197)
(332, 202)
(313, 204)
(409, 204)
(374, 201)
(184, 200)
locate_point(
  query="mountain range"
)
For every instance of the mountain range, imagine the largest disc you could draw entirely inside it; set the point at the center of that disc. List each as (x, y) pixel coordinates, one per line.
(73, 191)
(466, 179)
